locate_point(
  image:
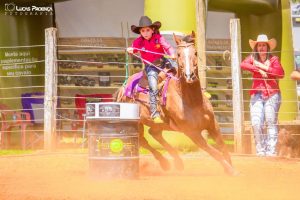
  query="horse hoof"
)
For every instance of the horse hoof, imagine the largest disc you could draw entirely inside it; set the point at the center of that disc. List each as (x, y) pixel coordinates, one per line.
(179, 164)
(165, 165)
(232, 172)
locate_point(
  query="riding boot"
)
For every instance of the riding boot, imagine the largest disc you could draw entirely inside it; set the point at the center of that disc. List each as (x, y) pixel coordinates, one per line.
(153, 103)
(152, 75)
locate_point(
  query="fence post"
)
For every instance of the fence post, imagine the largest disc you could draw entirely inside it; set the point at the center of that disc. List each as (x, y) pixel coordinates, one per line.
(201, 40)
(237, 93)
(50, 100)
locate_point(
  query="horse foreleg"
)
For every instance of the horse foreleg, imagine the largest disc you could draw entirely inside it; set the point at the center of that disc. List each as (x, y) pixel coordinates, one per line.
(164, 163)
(214, 132)
(199, 140)
(157, 134)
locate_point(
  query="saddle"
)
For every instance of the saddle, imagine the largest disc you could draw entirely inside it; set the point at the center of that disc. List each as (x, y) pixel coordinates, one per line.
(138, 82)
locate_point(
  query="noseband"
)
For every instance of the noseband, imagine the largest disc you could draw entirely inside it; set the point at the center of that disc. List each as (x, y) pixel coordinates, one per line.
(185, 45)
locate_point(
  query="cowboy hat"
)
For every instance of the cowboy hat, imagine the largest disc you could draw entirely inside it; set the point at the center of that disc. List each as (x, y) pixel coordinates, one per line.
(145, 22)
(263, 38)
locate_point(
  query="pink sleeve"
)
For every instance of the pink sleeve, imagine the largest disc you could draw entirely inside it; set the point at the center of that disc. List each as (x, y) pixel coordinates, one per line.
(136, 44)
(247, 64)
(166, 46)
(275, 68)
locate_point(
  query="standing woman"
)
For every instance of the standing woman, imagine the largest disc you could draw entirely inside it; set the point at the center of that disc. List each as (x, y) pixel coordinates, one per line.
(265, 93)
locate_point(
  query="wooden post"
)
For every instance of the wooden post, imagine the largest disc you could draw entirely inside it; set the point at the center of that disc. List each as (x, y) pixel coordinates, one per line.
(201, 40)
(237, 93)
(50, 100)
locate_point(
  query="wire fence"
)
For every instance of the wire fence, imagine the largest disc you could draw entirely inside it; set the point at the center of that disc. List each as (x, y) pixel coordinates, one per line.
(76, 77)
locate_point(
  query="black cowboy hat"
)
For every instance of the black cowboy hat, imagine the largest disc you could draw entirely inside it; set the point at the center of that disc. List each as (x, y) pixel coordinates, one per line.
(145, 22)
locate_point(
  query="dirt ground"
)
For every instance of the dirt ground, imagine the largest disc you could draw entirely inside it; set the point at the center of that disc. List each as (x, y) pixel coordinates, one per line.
(63, 176)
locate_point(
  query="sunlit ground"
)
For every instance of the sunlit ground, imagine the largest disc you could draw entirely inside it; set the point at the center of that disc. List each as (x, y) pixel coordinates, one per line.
(65, 175)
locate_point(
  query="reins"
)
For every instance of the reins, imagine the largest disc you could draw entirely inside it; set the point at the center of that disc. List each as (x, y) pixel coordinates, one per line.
(158, 68)
(185, 45)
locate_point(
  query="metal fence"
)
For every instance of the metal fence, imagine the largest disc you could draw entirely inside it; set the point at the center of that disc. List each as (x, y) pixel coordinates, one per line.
(57, 80)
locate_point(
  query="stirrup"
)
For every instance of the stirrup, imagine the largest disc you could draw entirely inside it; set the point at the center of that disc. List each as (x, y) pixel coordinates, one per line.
(158, 120)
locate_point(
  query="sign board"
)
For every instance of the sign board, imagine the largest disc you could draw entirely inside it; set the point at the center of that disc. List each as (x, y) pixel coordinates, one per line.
(218, 44)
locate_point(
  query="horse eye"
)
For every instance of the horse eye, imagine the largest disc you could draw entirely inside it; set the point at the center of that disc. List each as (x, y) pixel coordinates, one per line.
(196, 53)
(178, 55)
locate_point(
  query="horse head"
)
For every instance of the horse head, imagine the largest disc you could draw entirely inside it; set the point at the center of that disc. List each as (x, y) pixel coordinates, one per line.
(187, 58)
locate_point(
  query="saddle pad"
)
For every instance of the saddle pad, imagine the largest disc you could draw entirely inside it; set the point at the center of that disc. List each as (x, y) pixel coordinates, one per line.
(135, 78)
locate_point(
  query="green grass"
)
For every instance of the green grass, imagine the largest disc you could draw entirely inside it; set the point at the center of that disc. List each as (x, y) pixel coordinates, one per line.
(179, 141)
(15, 152)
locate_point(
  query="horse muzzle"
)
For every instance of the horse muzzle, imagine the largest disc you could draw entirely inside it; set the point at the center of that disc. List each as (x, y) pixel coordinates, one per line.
(190, 78)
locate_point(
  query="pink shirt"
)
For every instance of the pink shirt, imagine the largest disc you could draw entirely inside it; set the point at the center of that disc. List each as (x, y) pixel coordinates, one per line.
(157, 43)
(269, 85)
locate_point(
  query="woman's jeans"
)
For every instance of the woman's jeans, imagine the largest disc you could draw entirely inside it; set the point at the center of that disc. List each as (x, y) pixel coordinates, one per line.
(265, 111)
(152, 75)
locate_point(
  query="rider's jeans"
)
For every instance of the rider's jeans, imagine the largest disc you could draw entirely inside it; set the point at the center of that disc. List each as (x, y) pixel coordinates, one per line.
(265, 111)
(152, 75)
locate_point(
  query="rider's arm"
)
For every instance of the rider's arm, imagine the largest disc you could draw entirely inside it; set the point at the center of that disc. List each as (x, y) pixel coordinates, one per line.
(167, 47)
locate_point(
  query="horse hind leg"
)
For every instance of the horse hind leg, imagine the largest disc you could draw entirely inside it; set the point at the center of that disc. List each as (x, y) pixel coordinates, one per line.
(164, 163)
(157, 135)
(200, 141)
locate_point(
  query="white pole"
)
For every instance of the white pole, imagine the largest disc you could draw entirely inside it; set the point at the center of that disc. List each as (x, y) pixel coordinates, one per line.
(50, 101)
(237, 93)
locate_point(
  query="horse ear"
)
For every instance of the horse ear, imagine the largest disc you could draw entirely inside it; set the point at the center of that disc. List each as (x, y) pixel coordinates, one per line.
(177, 39)
(193, 35)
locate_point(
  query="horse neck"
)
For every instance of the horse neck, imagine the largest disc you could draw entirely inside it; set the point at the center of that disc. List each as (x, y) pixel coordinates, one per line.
(190, 93)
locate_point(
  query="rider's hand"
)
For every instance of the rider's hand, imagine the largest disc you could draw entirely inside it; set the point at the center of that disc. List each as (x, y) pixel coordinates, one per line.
(129, 50)
(173, 57)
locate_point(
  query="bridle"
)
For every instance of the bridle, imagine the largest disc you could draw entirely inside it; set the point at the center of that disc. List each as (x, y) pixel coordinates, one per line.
(190, 74)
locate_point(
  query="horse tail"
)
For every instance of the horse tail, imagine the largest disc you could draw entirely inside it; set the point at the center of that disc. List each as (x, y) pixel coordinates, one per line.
(119, 94)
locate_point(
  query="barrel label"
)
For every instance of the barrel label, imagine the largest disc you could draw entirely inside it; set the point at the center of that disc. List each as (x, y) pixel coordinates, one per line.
(90, 110)
(109, 110)
(116, 145)
(107, 146)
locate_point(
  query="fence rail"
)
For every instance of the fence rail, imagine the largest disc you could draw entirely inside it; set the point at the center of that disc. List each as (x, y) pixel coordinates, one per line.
(55, 116)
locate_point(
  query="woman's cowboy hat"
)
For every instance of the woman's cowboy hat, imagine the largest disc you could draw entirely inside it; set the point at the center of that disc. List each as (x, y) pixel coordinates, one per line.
(145, 22)
(263, 38)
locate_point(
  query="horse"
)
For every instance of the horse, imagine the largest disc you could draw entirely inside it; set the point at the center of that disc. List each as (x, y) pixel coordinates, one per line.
(186, 110)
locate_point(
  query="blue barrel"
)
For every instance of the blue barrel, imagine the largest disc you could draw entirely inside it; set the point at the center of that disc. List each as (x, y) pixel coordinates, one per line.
(113, 140)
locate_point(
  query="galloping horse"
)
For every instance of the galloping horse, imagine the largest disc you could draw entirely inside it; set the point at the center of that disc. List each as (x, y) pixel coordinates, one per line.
(187, 110)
